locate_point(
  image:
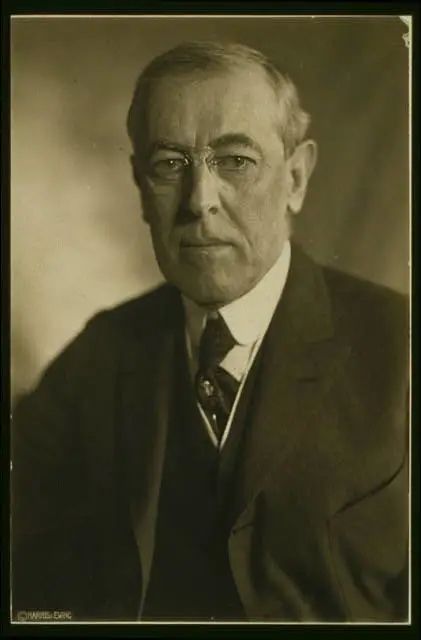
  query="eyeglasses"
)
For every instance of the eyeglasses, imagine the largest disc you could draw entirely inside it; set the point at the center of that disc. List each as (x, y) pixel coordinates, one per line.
(174, 166)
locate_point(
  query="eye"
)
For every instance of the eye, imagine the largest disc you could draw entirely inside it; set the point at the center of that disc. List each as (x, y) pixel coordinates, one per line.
(168, 167)
(234, 163)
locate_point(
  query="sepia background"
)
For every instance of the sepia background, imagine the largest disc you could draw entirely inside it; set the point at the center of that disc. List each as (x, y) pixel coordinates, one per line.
(78, 242)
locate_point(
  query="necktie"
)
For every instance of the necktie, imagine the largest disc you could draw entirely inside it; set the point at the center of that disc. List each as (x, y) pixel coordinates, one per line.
(216, 389)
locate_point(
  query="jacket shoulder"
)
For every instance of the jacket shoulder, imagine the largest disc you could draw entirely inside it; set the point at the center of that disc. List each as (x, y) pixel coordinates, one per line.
(94, 350)
(150, 311)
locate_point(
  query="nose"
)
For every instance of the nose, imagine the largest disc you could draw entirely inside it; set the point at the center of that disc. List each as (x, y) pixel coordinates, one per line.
(202, 191)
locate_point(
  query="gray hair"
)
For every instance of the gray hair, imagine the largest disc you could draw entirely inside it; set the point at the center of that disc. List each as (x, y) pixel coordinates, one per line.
(193, 56)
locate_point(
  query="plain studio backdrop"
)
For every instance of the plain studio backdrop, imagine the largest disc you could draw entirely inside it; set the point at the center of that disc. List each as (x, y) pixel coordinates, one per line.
(78, 240)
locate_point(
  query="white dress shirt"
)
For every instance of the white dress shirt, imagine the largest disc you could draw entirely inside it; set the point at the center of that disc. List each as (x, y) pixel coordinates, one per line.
(248, 319)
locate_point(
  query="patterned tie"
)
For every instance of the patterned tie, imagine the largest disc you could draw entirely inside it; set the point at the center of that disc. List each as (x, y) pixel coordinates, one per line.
(216, 389)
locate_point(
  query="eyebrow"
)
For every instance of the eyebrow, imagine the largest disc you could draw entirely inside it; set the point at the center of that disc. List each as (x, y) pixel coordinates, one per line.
(227, 139)
(235, 138)
(167, 145)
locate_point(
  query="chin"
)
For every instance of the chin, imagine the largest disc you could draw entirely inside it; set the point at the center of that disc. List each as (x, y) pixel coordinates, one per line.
(211, 284)
(210, 292)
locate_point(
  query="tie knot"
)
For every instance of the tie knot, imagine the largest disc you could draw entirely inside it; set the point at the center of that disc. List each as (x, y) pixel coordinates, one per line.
(215, 343)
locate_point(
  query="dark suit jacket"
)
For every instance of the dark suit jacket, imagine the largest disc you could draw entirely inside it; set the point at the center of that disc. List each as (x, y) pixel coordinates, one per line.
(320, 506)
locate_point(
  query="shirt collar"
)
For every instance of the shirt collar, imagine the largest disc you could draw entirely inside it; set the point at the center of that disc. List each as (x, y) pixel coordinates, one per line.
(249, 316)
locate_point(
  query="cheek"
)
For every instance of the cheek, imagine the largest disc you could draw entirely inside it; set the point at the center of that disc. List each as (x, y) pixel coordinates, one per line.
(259, 215)
(160, 204)
(257, 211)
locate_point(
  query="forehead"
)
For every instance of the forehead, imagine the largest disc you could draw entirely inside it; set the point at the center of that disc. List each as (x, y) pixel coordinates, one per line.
(195, 108)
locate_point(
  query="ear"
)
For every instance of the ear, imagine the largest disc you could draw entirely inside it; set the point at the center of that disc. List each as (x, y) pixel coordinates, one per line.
(301, 165)
(139, 183)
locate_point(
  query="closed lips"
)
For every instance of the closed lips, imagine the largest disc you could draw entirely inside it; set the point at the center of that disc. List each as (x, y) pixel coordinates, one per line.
(203, 243)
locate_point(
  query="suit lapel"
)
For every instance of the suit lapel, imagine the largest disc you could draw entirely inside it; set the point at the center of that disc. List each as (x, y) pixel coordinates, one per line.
(145, 390)
(300, 360)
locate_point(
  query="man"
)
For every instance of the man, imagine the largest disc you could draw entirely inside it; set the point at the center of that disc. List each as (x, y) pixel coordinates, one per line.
(231, 446)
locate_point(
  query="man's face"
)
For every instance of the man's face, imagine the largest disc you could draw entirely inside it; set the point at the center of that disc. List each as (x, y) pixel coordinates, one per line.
(214, 181)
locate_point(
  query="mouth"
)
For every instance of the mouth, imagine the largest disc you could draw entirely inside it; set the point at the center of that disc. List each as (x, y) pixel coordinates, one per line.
(208, 245)
(204, 244)
(208, 250)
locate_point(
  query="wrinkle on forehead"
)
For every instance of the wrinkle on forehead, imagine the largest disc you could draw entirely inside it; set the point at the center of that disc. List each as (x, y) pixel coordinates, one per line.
(236, 139)
(195, 109)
